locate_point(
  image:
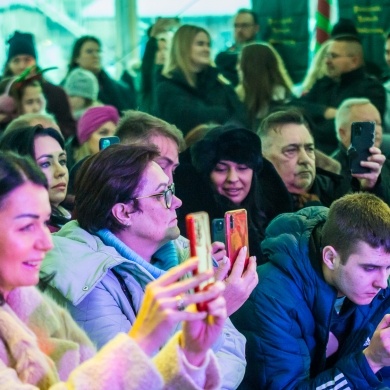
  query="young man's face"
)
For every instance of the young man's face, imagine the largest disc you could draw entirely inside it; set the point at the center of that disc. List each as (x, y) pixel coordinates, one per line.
(245, 29)
(363, 275)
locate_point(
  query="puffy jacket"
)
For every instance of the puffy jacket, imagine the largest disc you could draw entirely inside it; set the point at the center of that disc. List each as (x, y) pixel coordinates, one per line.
(86, 282)
(287, 318)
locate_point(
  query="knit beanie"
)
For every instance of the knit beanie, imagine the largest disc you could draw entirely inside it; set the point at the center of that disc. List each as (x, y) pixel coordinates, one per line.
(228, 142)
(83, 83)
(93, 118)
(21, 43)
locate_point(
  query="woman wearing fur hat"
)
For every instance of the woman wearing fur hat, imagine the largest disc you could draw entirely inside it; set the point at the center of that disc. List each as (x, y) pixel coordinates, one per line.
(22, 55)
(229, 172)
(41, 347)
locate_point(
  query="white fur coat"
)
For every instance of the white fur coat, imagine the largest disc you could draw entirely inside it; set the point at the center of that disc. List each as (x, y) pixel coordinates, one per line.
(42, 347)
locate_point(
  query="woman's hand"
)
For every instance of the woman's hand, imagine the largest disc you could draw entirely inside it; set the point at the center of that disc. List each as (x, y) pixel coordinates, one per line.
(199, 335)
(163, 306)
(241, 282)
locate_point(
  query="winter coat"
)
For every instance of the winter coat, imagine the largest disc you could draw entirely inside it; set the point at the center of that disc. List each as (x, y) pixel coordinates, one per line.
(41, 347)
(103, 290)
(185, 106)
(287, 318)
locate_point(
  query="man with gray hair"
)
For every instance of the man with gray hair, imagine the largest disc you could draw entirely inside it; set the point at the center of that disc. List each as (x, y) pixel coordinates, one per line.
(359, 110)
(287, 142)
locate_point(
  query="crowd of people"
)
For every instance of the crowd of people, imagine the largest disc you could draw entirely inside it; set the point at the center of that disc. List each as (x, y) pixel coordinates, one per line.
(98, 289)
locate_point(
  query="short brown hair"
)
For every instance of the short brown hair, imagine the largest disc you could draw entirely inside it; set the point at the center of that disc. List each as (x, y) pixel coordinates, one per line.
(109, 177)
(283, 117)
(354, 218)
(139, 127)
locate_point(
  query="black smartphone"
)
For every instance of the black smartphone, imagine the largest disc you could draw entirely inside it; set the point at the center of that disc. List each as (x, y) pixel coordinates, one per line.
(218, 230)
(362, 139)
(105, 142)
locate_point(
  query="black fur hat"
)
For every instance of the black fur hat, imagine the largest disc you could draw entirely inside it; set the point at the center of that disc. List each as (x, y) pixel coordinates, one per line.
(227, 142)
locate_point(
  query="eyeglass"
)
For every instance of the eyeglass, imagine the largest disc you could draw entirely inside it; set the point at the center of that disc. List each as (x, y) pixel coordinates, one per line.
(168, 195)
(333, 56)
(243, 25)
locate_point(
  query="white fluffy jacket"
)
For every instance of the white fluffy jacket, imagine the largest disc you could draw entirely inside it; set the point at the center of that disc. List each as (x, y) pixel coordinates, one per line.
(42, 347)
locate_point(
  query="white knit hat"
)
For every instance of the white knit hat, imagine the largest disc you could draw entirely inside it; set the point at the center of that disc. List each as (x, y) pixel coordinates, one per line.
(83, 83)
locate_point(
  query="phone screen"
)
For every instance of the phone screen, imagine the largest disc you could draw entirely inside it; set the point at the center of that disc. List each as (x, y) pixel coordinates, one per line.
(105, 142)
(236, 231)
(362, 139)
(198, 232)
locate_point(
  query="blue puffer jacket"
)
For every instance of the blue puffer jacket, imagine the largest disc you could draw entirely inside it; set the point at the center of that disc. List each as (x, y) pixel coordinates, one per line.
(86, 284)
(286, 320)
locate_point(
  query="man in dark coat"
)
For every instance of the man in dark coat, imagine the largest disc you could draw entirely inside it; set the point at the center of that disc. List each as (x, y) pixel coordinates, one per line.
(346, 78)
(246, 26)
(288, 143)
(359, 110)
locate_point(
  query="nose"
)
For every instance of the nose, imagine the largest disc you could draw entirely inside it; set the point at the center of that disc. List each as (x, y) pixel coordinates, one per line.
(44, 242)
(61, 170)
(382, 280)
(176, 202)
(232, 175)
(303, 157)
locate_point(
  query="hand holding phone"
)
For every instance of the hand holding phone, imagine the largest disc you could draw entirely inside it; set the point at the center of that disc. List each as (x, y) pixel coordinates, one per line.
(362, 139)
(198, 232)
(236, 233)
(218, 230)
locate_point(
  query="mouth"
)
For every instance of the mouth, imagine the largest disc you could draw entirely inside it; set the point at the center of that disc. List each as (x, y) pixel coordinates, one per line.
(304, 173)
(232, 191)
(61, 186)
(33, 264)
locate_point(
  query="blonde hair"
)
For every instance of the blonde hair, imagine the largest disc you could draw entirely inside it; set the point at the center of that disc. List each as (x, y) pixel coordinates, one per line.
(180, 52)
(317, 68)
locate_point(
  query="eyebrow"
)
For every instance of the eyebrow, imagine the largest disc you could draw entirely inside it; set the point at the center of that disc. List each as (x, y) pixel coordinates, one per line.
(34, 216)
(162, 185)
(297, 145)
(51, 156)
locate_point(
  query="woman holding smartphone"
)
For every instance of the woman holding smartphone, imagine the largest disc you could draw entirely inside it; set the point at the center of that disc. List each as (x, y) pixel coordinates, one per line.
(230, 173)
(122, 238)
(42, 347)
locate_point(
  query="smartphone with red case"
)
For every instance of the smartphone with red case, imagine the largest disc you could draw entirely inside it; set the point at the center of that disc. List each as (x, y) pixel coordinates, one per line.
(198, 232)
(236, 234)
(362, 139)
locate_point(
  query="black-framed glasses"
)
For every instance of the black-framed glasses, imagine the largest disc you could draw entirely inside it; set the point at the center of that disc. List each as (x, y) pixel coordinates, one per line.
(168, 195)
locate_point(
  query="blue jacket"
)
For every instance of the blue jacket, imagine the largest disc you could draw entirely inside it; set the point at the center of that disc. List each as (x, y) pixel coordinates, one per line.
(286, 320)
(85, 282)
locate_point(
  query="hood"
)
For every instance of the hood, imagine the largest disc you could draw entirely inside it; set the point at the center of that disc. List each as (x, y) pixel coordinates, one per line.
(286, 244)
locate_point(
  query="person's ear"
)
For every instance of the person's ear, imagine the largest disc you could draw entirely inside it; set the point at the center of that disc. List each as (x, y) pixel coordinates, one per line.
(123, 213)
(329, 256)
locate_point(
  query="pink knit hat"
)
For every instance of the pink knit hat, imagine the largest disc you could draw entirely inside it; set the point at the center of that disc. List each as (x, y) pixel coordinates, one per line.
(93, 118)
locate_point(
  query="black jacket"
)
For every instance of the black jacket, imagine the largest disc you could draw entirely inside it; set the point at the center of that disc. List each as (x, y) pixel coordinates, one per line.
(329, 93)
(187, 107)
